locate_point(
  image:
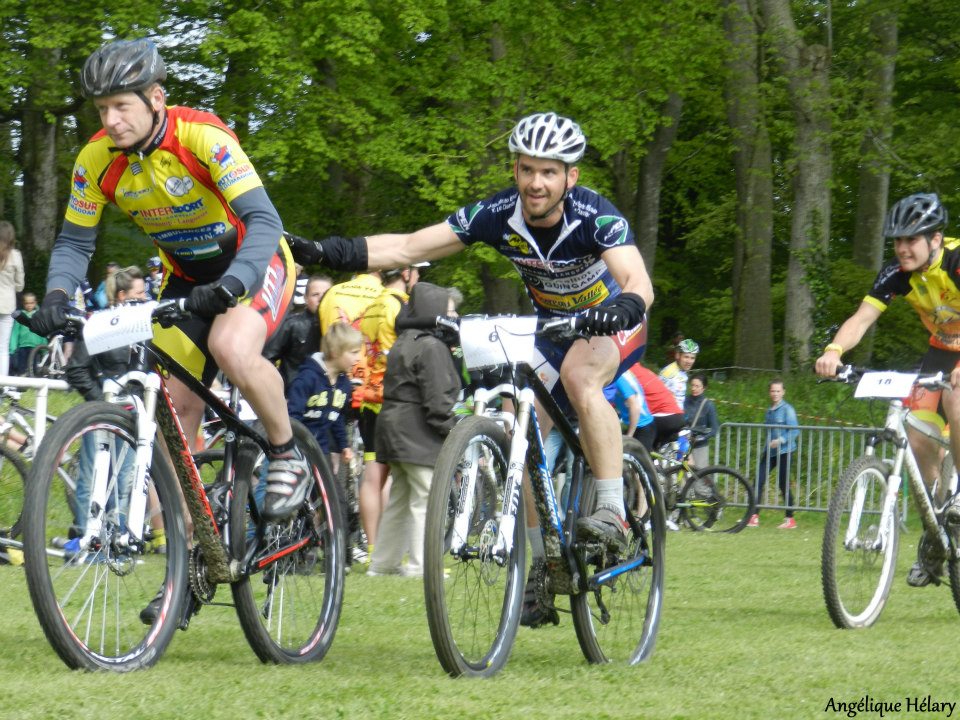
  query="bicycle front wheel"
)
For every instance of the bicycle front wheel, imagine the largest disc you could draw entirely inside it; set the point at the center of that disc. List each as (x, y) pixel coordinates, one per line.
(473, 596)
(859, 546)
(87, 585)
(13, 473)
(289, 603)
(617, 617)
(716, 499)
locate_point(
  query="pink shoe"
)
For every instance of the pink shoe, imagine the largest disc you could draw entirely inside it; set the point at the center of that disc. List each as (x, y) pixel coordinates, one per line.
(788, 524)
(754, 521)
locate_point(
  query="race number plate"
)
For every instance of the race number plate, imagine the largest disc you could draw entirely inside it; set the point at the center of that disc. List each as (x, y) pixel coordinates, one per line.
(497, 340)
(121, 326)
(885, 385)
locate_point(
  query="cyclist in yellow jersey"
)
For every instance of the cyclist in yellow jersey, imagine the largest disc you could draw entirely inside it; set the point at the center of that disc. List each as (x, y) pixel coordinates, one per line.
(378, 325)
(924, 272)
(182, 177)
(347, 301)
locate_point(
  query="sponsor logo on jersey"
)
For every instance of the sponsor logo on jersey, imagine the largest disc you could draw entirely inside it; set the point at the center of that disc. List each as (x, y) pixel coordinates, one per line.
(569, 302)
(519, 244)
(136, 168)
(134, 194)
(220, 154)
(82, 207)
(170, 239)
(80, 181)
(235, 175)
(179, 186)
(465, 216)
(611, 230)
(273, 288)
(167, 210)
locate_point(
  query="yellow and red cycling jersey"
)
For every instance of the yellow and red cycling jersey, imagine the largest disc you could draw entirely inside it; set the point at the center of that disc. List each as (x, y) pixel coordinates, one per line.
(933, 293)
(178, 194)
(378, 326)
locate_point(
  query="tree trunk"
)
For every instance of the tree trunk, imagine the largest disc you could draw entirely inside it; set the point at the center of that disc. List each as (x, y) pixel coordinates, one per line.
(38, 158)
(874, 180)
(646, 216)
(874, 176)
(752, 314)
(806, 67)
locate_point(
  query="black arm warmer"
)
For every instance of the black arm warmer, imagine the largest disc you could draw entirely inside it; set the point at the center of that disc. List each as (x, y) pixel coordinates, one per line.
(340, 253)
(634, 305)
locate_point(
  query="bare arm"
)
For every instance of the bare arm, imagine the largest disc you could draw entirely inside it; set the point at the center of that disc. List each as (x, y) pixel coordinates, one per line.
(847, 337)
(398, 250)
(626, 266)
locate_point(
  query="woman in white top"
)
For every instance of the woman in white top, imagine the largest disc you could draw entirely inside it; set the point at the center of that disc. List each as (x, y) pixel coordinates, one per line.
(11, 282)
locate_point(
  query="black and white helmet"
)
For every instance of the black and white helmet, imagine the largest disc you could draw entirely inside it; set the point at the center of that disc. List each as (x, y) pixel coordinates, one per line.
(916, 214)
(122, 66)
(547, 135)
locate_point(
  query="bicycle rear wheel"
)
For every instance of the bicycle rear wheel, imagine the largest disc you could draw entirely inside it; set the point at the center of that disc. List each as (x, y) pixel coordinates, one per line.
(617, 617)
(473, 598)
(38, 361)
(289, 605)
(716, 499)
(88, 597)
(13, 473)
(859, 546)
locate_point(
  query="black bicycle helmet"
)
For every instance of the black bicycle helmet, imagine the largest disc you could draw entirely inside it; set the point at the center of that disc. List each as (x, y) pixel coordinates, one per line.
(122, 66)
(915, 214)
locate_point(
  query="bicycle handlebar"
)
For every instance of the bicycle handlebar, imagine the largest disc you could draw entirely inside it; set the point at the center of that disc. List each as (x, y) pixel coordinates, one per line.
(851, 374)
(555, 327)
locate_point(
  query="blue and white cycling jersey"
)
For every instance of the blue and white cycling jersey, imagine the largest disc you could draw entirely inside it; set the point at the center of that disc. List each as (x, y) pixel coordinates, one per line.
(572, 276)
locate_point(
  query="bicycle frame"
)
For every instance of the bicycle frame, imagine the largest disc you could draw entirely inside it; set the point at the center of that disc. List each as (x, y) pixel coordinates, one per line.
(895, 431)
(527, 452)
(147, 372)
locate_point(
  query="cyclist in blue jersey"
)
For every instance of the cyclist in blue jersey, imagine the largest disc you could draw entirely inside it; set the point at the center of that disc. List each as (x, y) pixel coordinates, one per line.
(576, 255)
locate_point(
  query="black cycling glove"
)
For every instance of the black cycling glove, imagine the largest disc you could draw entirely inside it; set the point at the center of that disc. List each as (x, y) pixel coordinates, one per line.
(334, 252)
(52, 315)
(208, 301)
(622, 313)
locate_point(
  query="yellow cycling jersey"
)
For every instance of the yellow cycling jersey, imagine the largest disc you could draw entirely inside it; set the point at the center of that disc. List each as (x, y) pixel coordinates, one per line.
(178, 194)
(933, 293)
(378, 326)
(348, 301)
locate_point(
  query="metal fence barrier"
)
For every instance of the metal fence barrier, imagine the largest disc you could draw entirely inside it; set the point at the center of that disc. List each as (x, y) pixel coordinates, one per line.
(822, 454)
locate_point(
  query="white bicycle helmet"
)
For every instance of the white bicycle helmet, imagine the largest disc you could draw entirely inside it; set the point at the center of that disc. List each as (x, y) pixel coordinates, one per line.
(549, 136)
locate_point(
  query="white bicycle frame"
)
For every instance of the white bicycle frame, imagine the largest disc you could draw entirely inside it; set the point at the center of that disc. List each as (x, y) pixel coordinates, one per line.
(898, 418)
(145, 413)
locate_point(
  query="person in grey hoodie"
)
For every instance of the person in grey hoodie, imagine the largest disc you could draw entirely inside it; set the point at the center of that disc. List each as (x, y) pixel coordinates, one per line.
(420, 388)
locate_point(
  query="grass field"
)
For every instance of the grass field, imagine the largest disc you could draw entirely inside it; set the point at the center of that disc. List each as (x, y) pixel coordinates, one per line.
(744, 635)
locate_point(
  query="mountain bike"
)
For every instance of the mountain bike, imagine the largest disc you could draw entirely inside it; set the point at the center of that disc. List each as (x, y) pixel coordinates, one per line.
(48, 361)
(716, 498)
(862, 533)
(475, 542)
(351, 475)
(286, 577)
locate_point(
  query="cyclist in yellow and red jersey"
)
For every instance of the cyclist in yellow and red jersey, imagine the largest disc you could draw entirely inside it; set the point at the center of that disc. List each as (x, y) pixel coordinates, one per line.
(924, 272)
(182, 177)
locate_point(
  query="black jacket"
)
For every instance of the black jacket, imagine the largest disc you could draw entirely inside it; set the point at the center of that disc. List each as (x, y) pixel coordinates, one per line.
(297, 338)
(85, 373)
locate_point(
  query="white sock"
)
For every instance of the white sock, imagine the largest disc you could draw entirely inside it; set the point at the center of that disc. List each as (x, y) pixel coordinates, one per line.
(536, 543)
(610, 494)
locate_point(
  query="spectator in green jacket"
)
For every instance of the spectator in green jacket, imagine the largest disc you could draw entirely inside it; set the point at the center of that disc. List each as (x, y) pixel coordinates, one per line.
(22, 340)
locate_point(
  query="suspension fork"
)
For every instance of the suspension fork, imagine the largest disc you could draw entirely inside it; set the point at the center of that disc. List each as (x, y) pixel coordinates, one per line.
(518, 455)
